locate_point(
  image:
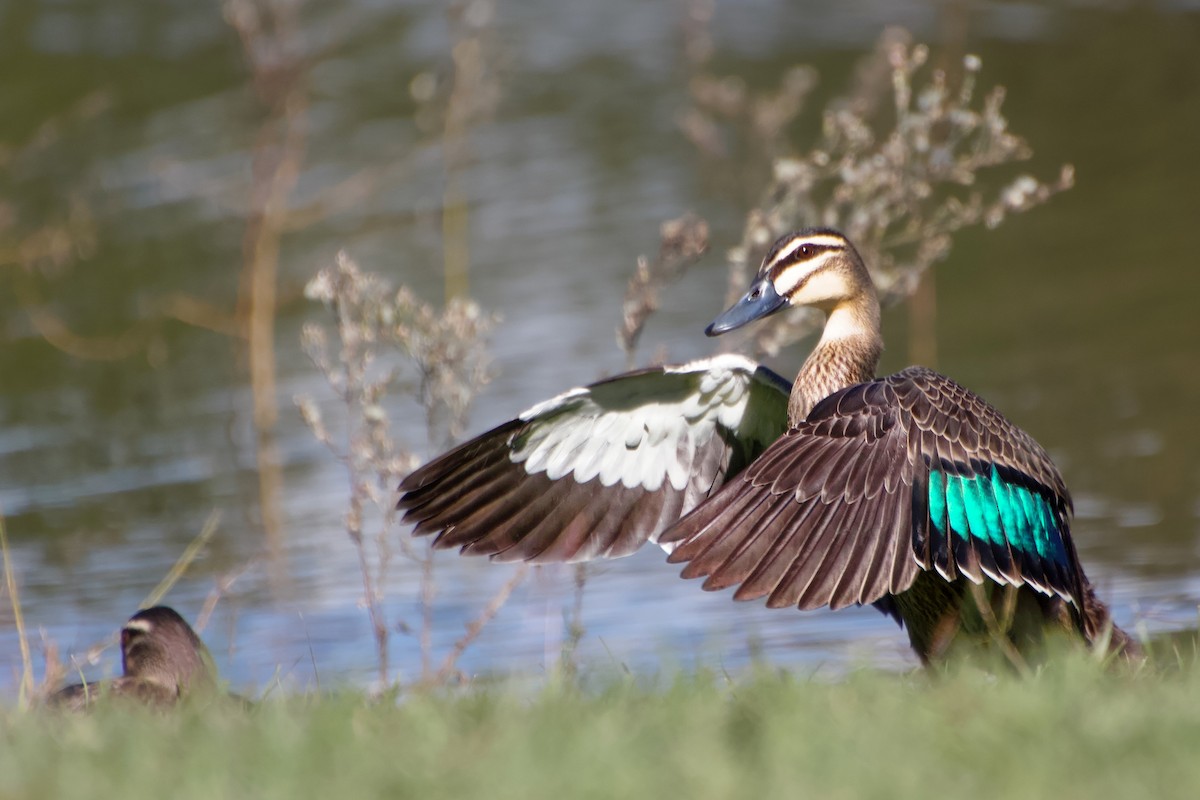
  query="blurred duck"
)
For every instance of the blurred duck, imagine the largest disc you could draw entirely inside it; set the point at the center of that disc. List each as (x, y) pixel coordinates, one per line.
(907, 492)
(163, 661)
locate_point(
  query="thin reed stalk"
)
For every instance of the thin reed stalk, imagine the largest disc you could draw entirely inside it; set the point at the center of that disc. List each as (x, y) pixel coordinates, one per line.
(14, 598)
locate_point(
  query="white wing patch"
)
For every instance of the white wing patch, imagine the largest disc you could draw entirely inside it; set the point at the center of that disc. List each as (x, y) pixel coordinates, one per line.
(645, 428)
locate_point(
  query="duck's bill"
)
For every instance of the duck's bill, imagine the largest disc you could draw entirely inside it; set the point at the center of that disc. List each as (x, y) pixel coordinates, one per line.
(762, 300)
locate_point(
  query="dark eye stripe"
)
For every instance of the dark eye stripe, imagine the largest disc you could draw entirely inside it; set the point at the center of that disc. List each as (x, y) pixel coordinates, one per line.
(802, 253)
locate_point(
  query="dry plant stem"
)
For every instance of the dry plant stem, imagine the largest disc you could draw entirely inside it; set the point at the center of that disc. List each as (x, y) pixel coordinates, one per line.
(184, 561)
(900, 179)
(682, 242)
(48, 253)
(355, 360)
(740, 132)
(379, 626)
(575, 628)
(270, 42)
(476, 626)
(55, 332)
(348, 294)
(445, 351)
(472, 100)
(14, 598)
(375, 579)
(312, 654)
(49, 248)
(372, 591)
(54, 673)
(200, 314)
(222, 587)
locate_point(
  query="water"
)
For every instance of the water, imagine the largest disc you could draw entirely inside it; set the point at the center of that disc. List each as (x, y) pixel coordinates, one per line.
(1077, 319)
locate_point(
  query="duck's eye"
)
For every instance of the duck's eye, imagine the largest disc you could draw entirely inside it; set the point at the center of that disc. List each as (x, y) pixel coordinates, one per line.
(805, 250)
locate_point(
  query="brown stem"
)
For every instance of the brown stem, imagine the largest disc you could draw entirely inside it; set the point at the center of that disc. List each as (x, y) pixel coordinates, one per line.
(476, 626)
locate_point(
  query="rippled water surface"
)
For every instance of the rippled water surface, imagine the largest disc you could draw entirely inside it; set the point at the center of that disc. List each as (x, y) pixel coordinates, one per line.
(126, 414)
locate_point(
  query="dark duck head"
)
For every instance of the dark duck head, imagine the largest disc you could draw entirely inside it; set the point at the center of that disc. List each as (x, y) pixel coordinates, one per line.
(163, 661)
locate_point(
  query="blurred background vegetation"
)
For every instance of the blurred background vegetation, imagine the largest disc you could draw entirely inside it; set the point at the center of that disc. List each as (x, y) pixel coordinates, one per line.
(173, 174)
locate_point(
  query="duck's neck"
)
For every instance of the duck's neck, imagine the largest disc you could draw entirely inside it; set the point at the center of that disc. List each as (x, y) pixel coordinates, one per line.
(847, 354)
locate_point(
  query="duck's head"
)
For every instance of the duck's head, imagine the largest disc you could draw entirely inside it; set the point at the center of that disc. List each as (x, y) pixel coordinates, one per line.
(813, 267)
(158, 646)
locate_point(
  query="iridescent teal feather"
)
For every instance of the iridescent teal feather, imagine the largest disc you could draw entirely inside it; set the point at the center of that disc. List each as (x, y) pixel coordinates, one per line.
(937, 502)
(997, 512)
(1010, 516)
(976, 516)
(957, 508)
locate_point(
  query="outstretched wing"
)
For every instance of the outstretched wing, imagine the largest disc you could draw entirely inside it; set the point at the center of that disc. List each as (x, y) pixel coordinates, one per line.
(599, 470)
(884, 479)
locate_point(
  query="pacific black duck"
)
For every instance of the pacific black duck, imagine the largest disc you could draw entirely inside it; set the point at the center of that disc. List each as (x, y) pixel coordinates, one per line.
(841, 489)
(163, 661)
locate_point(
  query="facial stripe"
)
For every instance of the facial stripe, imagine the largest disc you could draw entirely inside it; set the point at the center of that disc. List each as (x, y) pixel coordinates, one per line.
(823, 240)
(789, 277)
(818, 241)
(138, 625)
(784, 253)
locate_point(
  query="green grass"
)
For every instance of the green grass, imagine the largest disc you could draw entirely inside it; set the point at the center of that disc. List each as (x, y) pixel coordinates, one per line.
(1070, 730)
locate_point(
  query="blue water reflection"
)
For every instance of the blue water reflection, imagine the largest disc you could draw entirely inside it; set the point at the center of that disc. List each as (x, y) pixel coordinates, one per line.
(109, 468)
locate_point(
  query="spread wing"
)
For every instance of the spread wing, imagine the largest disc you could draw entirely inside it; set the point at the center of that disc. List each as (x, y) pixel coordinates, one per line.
(884, 479)
(599, 470)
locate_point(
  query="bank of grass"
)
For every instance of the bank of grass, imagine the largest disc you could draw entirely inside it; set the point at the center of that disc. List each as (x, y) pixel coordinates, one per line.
(1070, 730)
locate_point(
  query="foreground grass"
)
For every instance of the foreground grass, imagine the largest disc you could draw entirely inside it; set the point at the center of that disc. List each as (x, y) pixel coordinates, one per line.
(1071, 730)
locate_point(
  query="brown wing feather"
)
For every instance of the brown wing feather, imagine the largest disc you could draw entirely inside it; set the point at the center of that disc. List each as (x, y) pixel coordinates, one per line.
(810, 580)
(719, 558)
(779, 557)
(982, 431)
(847, 584)
(955, 430)
(836, 512)
(819, 501)
(495, 496)
(751, 548)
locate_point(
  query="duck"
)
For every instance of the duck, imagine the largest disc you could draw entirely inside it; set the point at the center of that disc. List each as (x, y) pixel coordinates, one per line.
(907, 492)
(163, 662)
